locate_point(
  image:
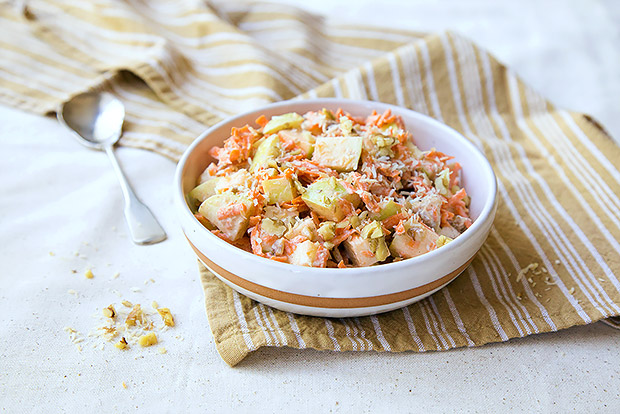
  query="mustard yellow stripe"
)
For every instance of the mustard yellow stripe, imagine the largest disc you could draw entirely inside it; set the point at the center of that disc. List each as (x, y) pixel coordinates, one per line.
(473, 105)
(555, 230)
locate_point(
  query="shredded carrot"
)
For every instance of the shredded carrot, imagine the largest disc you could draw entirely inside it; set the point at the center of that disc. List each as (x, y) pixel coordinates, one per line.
(371, 202)
(392, 221)
(456, 203)
(296, 203)
(211, 169)
(446, 216)
(254, 220)
(231, 210)
(201, 219)
(261, 120)
(342, 265)
(315, 219)
(341, 237)
(221, 235)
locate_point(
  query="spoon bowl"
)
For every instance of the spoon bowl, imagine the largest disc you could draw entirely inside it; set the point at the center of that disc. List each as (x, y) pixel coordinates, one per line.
(96, 119)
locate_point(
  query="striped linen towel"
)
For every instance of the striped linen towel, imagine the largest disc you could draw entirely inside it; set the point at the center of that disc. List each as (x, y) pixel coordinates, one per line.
(553, 256)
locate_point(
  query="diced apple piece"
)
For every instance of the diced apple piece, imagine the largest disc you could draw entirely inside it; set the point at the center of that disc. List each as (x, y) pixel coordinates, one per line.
(304, 228)
(339, 153)
(303, 139)
(387, 126)
(327, 230)
(216, 185)
(413, 149)
(228, 212)
(278, 190)
(388, 209)
(238, 179)
(201, 192)
(428, 208)
(366, 251)
(266, 153)
(275, 213)
(267, 235)
(417, 240)
(382, 250)
(273, 228)
(329, 199)
(346, 125)
(442, 183)
(443, 240)
(372, 230)
(309, 254)
(449, 232)
(280, 122)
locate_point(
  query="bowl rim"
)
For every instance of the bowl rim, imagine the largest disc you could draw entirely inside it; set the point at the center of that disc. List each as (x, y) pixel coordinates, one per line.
(485, 214)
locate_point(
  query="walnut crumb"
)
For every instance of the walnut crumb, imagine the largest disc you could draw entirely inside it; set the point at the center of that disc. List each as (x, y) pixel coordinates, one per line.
(154, 305)
(162, 350)
(127, 303)
(134, 316)
(148, 339)
(109, 312)
(89, 274)
(523, 272)
(122, 344)
(166, 316)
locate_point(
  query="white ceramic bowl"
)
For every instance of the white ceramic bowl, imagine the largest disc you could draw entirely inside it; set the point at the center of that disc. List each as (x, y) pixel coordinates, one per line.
(350, 291)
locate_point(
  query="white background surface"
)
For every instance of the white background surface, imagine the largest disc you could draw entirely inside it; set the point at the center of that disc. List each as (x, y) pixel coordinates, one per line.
(57, 196)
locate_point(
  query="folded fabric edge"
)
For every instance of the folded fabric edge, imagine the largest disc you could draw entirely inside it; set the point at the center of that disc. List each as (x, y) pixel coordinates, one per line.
(230, 347)
(227, 343)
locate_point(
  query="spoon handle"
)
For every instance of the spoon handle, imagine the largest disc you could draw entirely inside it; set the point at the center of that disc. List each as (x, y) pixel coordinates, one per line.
(143, 226)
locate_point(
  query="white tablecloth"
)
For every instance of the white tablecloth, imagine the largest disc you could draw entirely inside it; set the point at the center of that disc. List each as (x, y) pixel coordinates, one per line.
(60, 199)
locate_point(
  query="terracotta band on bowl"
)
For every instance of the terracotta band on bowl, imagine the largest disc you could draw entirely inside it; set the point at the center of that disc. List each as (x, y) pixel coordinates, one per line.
(321, 302)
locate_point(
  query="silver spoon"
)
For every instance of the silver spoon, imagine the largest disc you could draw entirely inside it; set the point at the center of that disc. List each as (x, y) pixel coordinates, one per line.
(97, 120)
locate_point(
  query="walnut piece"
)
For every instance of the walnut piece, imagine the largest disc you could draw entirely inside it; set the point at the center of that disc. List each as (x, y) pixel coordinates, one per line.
(122, 344)
(166, 316)
(109, 312)
(148, 339)
(135, 316)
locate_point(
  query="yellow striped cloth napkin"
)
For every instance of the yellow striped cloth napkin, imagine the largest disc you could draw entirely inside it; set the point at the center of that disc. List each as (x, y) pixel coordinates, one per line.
(552, 258)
